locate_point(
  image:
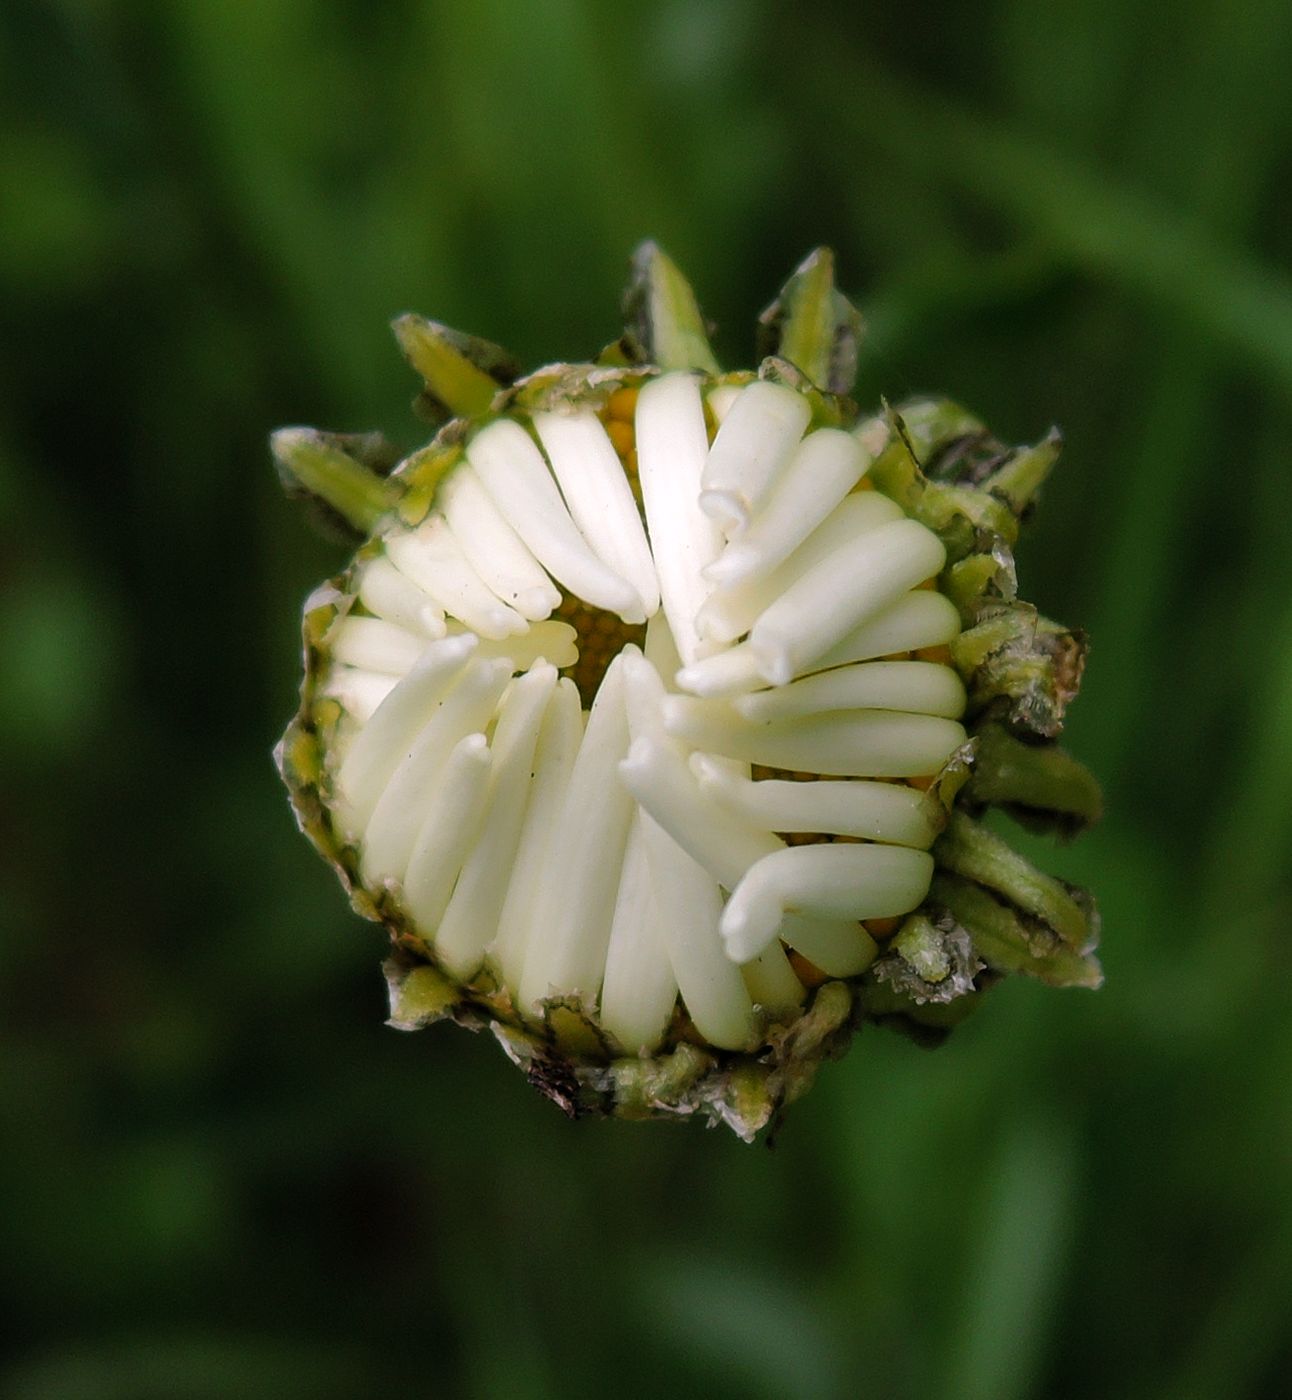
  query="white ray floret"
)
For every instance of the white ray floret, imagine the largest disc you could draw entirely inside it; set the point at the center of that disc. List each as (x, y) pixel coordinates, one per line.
(888, 812)
(772, 983)
(640, 988)
(397, 818)
(919, 687)
(730, 672)
(759, 432)
(379, 745)
(720, 400)
(861, 743)
(550, 640)
(671, 447)
(370, 644)
(432, 557)
(918, 619)
(360, 692)
(597, 494)
(689, 904)
(839, 947)
(492, 548)
(576, 896)
(731, 610)
(554, 755)
(827, 465)
(473, 913)
(840, 592)
(394, 597)
(833, 881)
(451, 817)
(516, 476)
(658, 776)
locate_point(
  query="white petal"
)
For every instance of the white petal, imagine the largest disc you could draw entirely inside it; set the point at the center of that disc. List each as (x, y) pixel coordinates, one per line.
(390, 595)
(515, 474)
(772, 982)
(576, 895)
(452, 813)
(541, 641)
(889, 812)
(372, 757)
(374, 645)
(757, 436)
(493, 549)
(843, 590)
(558, 745)
(729, 672)
(432, 557)
(360, 692)
(731, 610)
(471, 920)
(827, 465)
(398, 815)
(920, 687)
(839, 947)
(689, 904)
(657, 775)
(858, 743)
(919, 619)
(599, 498)
(831, 881)
(640, 989)
(671, 448)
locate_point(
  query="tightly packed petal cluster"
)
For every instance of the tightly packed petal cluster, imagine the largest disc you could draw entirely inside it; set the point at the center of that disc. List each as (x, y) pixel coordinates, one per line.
(640, 711)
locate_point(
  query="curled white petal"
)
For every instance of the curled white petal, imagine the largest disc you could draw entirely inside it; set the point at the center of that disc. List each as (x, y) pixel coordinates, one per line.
(921, 687)
(394, 597)
(671, 447)
(844, 589)
(360, 692)
(374, 645)
(640, 987)
(432, 557)
(371, 758)
(597, 494)
(759, 432)
(554, 755)
(576, 894)
(451, 817)
(730, 611)
(516, 476)
(492, 548)
(689, 903)
(397, 817)
(827, 465)
(470, 921)
(918, 619)
(839, 947)
(856, 743)
(772, 983)
(888, 812)
(831, 881)
(551, 640)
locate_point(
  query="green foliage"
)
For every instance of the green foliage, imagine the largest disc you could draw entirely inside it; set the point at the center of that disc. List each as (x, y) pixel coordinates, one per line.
(222, 1175)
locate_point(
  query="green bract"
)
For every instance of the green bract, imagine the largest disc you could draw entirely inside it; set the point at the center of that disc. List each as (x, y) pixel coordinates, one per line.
(657, 711)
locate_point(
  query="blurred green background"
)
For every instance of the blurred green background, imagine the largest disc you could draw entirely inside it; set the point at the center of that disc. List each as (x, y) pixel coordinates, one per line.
(220, 1174)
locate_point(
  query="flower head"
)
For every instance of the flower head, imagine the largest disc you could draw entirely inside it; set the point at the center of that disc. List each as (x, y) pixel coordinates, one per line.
(655, 710)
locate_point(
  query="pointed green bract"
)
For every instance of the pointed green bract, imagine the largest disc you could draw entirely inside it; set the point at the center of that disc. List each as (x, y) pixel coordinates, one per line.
(663, 316)
(814, 326)
(462, 373)
(311, 464)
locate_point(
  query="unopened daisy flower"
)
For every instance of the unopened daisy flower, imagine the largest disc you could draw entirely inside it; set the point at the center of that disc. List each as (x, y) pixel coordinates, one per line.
(657, 712)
